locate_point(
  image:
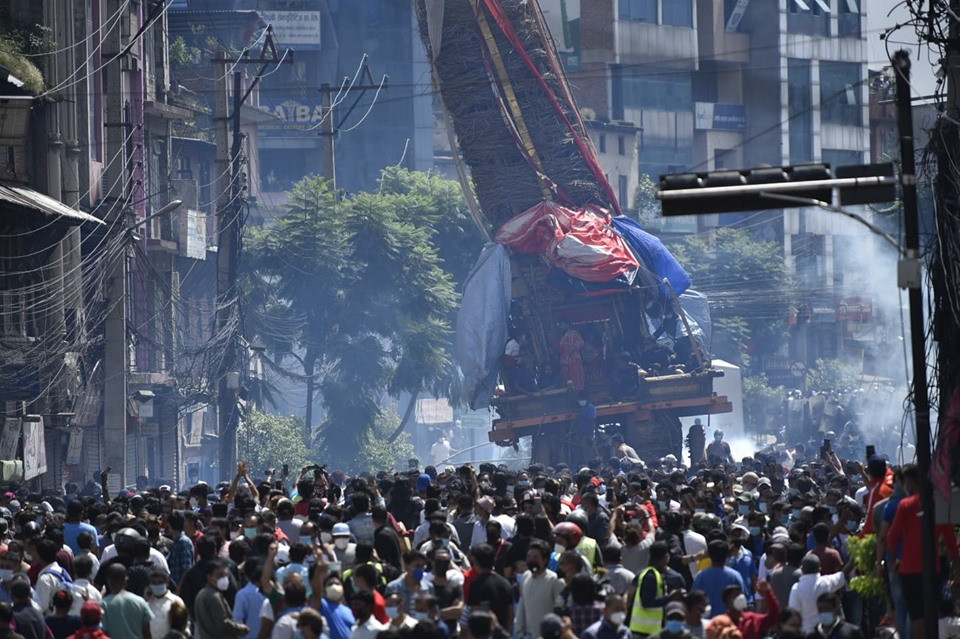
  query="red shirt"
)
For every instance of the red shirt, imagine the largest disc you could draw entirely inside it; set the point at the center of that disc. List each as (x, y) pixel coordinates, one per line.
(880, 490)
(380, 608)
(754, 625)
(906, 528)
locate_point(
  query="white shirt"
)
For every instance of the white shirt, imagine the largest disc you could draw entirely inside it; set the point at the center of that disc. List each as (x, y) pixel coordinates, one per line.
(83, 591)
(861, 494)
(368, 629)
(160, 606)
(155, 556)
(48, 583)
(286, 627)
(804, 593)
(694, 543)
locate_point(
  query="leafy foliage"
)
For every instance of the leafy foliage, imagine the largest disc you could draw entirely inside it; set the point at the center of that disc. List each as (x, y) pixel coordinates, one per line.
(376, 452)
(16, 41)
(749, 287)
(270, 441)
(355, 291)
(832, 376)
(645, 200)
(760, 401)
(864, 554)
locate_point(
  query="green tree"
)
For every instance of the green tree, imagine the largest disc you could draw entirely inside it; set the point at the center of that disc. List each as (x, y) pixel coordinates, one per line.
(355, 292)
(645, 201)
(376, 452)
(270, 441)
(749, 287)
(832, 376)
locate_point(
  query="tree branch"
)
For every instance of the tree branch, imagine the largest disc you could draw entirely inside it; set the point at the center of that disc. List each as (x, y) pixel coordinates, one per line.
(406, 417)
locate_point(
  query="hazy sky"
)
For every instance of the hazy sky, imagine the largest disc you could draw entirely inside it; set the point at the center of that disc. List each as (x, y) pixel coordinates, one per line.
(922, 72)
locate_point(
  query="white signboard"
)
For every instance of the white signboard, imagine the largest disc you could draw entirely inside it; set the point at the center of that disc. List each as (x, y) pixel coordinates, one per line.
(297, 29)
(195, 235)
(75, 447)
(34, 448)
(9, 438)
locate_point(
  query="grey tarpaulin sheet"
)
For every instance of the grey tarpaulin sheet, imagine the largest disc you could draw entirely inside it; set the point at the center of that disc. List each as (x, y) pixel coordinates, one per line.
(482, 323)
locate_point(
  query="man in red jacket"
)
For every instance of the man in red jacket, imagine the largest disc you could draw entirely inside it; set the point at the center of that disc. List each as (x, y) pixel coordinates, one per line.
(752, 625)
(880, 487)
(906, 529)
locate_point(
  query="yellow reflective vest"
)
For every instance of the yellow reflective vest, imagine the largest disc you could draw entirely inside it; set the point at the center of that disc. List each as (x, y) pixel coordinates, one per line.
(647, 621)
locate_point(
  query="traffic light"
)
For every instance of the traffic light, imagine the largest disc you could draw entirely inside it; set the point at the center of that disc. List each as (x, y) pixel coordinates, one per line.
(775, 188)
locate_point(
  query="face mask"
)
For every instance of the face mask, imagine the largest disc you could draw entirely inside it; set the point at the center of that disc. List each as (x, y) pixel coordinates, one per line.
(306, 539)
(511, 488)
(795, 514)
(421, 616)
(663, 505)
(740, 602)
(559, 549)
(6, 574)
(523, 483)
(193, 502)
(827, 619)
(223, 583)
(763, 506)
(334, 566)
(699, 510)
(617, 618)
(520, 578)
(744, 509)
(444, 543)
(852, 525)
(159, 590)
(392, 611)
(334, 592)
(582, 402)
(341, 542)
(234, 534)
(832, 509)
(754, 531)
(250, 533)
(835, 518)
(718, 438)
(418, 573)
(674, 626)
(325, 537)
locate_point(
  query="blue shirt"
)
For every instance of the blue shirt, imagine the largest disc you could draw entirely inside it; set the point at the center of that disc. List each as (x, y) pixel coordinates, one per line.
(713, 580)
(246, 609)
(889, 512)
(298, 568)
(72, 531)
(743, 564)
(339, 619)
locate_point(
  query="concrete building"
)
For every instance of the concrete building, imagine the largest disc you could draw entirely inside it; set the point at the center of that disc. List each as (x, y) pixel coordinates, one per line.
(731, 84)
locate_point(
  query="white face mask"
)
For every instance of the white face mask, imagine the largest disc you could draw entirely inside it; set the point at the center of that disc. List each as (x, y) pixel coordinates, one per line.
(223, 583)
(740, 602)
(617, 618)
(334, 592)
(559, 549)
(193, 502)
(325, 537)
(341, 542)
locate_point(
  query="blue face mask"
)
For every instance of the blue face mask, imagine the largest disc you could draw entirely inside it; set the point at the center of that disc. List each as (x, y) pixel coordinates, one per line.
(524, 483)
(852, 525)
(744, 509)
(785, 520)
(418, 573)
(754, 531)
(763, 506)
(827, 619)
(674, 626)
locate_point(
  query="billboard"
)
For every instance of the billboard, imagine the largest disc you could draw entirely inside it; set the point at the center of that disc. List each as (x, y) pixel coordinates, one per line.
(720, 117)
(10, 438)
(296, 29)
(34, 447)
(193, 234)
(563, 20)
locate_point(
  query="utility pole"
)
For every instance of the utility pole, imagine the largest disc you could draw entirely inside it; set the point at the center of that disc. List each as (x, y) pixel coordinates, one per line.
(116, 356)
(330, 128)
(921, 400)
(230, 230)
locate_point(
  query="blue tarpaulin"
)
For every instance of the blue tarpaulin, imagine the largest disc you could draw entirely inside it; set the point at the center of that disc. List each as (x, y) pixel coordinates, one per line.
(653, 254)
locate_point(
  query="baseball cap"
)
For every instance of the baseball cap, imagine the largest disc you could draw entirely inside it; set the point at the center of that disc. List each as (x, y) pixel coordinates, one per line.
(423, 482)
(675, 608)
(341, 530)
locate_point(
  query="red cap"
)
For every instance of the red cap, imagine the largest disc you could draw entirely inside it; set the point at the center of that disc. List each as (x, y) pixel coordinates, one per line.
(91, 612)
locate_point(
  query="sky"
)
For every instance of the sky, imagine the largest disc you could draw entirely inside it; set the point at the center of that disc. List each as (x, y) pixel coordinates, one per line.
(922, 72)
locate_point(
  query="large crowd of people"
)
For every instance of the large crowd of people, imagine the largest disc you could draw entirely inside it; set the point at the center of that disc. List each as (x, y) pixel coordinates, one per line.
(619, 549)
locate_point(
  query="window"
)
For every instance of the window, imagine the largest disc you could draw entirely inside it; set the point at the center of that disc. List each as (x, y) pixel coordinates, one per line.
(808, 17)
(639, 10)
(673, 92)
(841, 157)
(678, 13)
(622, 193)
(602, 143)
(800, 110)
(848, 20)
(724, 159)
(621, 145)
(840, 84)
